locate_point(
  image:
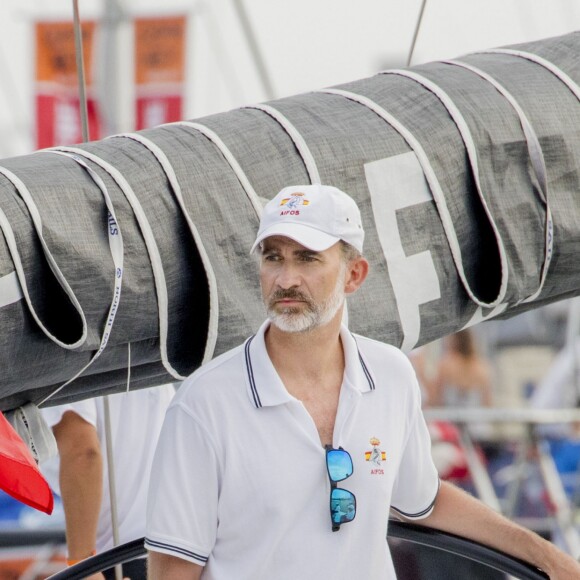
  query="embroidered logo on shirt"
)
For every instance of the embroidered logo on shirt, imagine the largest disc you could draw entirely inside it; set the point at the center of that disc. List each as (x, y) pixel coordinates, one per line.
(376, 457)
(292, 203)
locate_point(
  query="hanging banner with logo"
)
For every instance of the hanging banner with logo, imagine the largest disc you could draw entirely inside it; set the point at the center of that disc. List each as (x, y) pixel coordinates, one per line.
(58, 120)
(159, 70)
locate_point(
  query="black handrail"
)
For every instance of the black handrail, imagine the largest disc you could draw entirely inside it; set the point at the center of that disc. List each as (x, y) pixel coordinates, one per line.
(409, 532)
(15, 538)
(103, 561)
(466, 549)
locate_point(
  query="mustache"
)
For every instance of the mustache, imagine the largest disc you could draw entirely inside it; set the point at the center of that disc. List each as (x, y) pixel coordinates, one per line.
(288, 294)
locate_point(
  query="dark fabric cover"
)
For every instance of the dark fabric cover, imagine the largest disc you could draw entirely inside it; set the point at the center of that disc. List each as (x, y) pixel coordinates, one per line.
(466, 173)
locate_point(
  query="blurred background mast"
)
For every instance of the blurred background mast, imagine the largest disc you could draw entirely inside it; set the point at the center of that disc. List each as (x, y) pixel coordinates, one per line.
(416, 33)
(109, 85)
(254, 49)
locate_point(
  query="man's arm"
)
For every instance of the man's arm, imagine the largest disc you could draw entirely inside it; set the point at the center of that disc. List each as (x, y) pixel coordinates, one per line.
(459, 513)
(81, 482)
(165, 567)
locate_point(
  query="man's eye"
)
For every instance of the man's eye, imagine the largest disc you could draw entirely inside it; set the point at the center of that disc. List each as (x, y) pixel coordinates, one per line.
(271, 257)
(308, 258)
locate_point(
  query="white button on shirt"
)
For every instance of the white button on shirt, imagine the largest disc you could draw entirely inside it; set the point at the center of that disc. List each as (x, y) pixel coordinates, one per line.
(239, 479)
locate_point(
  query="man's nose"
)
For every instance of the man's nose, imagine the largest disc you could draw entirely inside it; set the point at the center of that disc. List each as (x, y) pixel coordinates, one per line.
(288, 277)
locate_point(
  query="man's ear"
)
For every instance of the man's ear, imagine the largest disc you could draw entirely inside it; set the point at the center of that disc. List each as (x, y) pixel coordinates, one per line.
(356, 274)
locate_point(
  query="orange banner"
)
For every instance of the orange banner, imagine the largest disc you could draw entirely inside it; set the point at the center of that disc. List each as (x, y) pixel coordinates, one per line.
(55, 52)
(159, 69)
(58, 119)
(159, 50)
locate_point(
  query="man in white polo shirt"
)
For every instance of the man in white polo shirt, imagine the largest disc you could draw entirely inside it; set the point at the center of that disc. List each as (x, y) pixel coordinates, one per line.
(280, 459)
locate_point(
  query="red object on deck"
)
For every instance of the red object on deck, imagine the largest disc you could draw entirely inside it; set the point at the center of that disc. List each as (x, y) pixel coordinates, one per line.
(19, 474)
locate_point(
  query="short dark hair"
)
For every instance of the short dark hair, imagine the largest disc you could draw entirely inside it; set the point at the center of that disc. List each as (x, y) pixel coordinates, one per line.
(349, 252)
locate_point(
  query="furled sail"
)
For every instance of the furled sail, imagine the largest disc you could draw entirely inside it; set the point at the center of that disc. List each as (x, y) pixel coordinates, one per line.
(132, 252)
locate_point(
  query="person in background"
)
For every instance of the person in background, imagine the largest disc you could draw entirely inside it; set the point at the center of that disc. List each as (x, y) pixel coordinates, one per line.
(80, 473)
(462, 377)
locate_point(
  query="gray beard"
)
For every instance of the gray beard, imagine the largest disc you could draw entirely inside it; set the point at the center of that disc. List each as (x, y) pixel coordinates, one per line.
(314, 315)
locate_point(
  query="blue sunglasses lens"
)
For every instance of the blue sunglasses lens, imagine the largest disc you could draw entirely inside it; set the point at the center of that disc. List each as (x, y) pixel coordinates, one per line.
(342, 506)
(339, 464)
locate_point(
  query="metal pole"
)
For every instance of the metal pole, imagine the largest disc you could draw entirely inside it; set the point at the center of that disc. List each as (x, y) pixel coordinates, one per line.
(108, 431)
(520, 466)
(477, 470)
(109, 51)
(563, 510)
(572, 331)
(254, 48)
(112, 487)
(81, 71)
(416, 33)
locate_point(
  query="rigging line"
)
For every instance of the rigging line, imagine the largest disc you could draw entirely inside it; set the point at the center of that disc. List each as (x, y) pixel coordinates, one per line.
(80, 71)
(416, 33)
(112, 481)
(225, 65)
(254, 48)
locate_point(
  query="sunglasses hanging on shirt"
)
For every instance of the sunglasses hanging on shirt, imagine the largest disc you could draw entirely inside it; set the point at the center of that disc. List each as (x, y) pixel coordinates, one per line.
(342, 502)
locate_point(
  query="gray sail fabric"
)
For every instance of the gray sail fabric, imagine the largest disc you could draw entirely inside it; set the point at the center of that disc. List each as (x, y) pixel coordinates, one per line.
(466, 172)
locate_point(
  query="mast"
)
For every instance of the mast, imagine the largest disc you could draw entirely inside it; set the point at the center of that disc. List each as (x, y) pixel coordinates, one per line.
(109, 81)
(416, 33)
(81, 71)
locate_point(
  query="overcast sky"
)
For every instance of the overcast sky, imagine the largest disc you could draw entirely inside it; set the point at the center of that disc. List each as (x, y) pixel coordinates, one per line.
(305, 45)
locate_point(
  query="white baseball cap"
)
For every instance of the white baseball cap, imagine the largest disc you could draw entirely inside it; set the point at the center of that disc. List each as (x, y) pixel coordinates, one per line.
(316, 216)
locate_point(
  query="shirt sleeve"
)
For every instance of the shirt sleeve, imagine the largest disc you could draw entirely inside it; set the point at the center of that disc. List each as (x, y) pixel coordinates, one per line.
(182, 504)
(86, 409)
(417, 482)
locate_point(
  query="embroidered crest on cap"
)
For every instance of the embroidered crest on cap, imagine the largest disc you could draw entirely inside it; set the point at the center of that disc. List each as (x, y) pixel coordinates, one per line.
(292, 203)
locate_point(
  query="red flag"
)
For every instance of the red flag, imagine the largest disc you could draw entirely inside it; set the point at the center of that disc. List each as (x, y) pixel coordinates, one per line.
(19, 474)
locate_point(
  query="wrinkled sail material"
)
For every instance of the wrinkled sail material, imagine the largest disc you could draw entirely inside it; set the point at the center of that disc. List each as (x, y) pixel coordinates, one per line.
(133, 251)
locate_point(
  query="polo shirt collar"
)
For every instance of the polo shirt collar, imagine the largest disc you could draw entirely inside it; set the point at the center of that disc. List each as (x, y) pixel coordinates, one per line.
(266, 389)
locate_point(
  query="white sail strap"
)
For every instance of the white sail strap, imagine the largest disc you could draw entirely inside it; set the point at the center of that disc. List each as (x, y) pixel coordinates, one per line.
(556, 71)
(436, 191)
(298, 140)
(26, 197)
(176, 187)
(538, 163)
(150, 244)
(117, 249)
(471, 150)
(229, 157)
